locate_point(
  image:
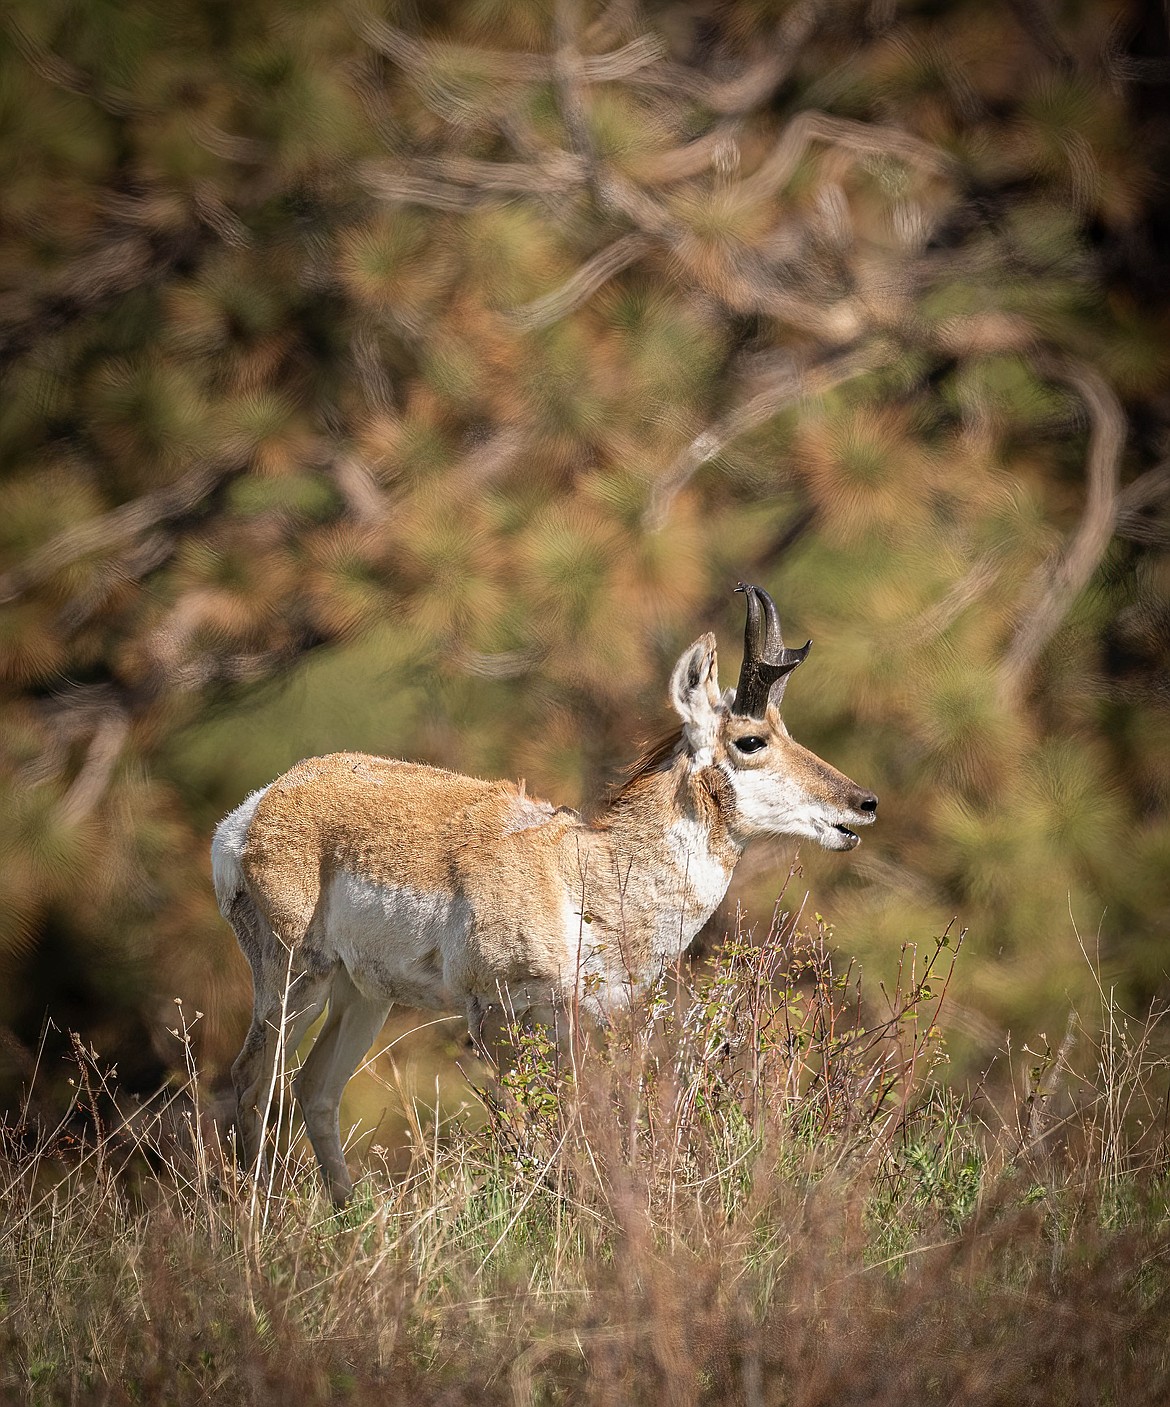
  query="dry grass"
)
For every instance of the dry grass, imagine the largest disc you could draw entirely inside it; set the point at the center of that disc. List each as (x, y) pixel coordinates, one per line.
(760, 1191)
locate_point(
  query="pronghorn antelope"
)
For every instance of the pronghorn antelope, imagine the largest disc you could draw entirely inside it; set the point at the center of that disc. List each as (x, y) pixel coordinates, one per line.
(353, 882)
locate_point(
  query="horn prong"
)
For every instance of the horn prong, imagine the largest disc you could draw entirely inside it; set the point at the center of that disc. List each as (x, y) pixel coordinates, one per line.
(766, 662)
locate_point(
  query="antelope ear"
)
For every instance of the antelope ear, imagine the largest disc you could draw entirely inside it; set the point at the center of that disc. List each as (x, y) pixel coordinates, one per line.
(694, 692)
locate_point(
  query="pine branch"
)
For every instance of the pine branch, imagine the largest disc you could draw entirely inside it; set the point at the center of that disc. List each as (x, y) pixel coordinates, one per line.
(936, 620)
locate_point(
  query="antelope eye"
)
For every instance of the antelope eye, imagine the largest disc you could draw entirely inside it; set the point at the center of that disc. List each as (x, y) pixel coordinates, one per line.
(750, 743)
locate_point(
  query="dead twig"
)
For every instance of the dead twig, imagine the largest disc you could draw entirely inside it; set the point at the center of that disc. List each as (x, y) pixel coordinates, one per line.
(420, 56)
(1059, 581)
(869, 139)
(101, 757)
(402, 188)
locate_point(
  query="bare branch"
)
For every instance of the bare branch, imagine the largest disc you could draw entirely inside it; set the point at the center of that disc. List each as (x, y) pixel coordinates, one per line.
(229, 146)
(101, 757)
(490, 457)
(1058, 583)
(742, 278)
(369, 368)
(622, 63)
(553, 172)
(745, 279)
(517, 66)
(460, 184)
(358, 489)
(117, 529)
(569, 73)
(418, 55)
(981, 335)
(504, 664)
(55, 70)
(398, 188)
(691, 159)
(859, 138)
(788, 386)
(575, 291)
(216, 215)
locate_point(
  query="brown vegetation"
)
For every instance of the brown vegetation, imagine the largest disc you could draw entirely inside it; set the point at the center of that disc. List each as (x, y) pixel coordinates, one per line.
(746, 1197)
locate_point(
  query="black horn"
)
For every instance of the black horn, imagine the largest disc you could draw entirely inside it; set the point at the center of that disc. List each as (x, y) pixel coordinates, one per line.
(766, 662)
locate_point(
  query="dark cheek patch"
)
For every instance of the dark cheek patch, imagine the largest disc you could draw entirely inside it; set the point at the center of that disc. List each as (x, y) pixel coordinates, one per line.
(713, 789)
(714, 783)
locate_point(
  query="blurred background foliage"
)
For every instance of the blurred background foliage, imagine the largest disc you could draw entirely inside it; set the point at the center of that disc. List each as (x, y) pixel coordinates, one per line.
(422, 378)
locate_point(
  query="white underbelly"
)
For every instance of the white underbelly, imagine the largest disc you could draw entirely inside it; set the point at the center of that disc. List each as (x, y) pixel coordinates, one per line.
(397, 943)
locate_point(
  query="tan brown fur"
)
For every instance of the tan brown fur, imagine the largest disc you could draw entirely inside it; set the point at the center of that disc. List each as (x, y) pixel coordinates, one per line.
(402, 823)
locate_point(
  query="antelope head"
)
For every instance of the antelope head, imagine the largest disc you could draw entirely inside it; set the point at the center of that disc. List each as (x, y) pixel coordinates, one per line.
(775, 786)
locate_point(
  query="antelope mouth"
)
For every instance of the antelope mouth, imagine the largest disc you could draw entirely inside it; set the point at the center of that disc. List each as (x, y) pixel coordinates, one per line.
(837, 837)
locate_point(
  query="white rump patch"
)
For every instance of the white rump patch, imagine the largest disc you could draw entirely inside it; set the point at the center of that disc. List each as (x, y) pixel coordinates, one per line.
(227, 845)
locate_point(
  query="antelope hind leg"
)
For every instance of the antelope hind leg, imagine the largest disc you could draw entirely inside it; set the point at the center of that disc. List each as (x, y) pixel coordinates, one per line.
(254, 1071)
(350, 1029)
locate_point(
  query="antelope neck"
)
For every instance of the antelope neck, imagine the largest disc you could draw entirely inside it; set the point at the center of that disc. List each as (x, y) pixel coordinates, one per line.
(671, 844)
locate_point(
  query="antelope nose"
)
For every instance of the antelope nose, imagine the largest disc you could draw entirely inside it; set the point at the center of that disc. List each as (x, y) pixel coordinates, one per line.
(866, 801)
